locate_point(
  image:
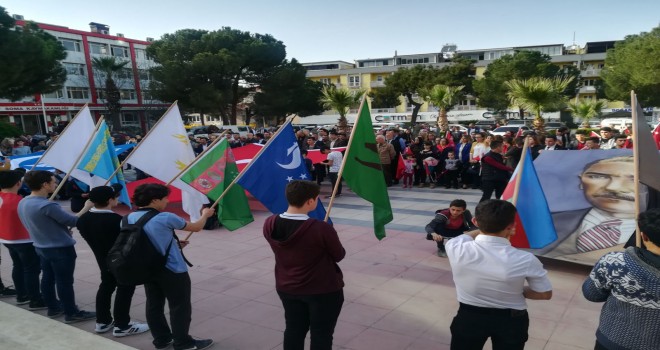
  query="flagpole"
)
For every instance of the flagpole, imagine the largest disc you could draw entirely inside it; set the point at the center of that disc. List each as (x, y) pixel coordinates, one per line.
(519, 173)
(200, 155)
(343, 161)
(254, 159)
(54, 142)
(636, 150)
(138, 145)
(75, 164)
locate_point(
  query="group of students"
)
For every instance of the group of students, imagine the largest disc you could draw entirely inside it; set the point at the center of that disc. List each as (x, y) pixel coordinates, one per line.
(37, 233)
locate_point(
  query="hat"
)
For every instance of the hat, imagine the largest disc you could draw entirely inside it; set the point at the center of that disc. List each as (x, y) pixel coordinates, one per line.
(101, 194)
(607, 128)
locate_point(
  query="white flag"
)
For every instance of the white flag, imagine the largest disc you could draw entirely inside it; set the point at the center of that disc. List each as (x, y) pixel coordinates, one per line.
(164, 153)
(62, 154)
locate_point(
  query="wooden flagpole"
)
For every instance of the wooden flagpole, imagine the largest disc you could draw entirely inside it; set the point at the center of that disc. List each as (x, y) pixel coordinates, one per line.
(254, 159)
(75, 164)
(636, 150)
(199, 156)
(138, 145)
(343, 162)
(62, 133)
(519, 173)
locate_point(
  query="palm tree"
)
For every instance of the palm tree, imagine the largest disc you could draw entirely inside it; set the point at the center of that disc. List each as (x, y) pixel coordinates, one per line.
(586, 109)
(538, 94)
(108, 67)
(444, 97)
(340, 100)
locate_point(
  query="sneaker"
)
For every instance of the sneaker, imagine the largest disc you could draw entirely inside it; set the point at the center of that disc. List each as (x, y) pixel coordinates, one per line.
(103, 327)
(164, 345)
(432, 185)
(7, 292)
(55, 313)
(133, 329)
(198, 345)
(442, 253)
(22, 300)
(79, 316)
(37, 305)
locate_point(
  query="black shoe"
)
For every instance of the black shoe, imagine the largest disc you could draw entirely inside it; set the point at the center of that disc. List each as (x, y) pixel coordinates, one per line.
(164, 345)
(22, 300)
(55, 313)
(197, 345)
(7, 292)
(442, 253)
(37, 305)
(79, 316)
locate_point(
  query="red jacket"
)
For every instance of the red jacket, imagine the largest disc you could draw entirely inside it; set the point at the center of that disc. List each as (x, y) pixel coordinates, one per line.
(11, 227)
(306, 261)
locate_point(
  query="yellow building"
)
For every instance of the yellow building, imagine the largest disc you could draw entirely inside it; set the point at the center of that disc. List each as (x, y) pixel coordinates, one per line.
(371, 73)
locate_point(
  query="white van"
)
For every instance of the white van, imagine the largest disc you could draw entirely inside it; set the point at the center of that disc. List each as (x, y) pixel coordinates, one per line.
(616, 123)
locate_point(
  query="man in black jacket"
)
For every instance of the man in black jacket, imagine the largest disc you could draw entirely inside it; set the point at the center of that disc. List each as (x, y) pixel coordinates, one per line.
(494, 174)
(449, 223)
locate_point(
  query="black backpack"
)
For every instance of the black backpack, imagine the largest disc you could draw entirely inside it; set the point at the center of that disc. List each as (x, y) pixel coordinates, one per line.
(133, 259)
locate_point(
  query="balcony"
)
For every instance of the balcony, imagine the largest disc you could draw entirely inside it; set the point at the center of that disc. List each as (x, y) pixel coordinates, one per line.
(587, 90)
(592, 72)
(465, 108)
(377, 84)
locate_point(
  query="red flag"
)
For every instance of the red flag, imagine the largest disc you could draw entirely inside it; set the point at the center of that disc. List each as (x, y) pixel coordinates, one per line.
(400, 168)
(656, 135)
(519, 133)
(450, 139)
(594, 134)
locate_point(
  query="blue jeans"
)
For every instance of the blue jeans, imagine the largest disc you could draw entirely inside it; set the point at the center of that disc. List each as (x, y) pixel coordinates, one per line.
(57, 265)
(25, 271)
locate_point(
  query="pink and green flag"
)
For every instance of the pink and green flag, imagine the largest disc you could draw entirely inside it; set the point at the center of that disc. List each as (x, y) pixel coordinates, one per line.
(211, 175)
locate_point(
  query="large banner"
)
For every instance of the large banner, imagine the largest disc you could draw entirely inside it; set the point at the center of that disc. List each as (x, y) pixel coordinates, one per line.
(591, 195)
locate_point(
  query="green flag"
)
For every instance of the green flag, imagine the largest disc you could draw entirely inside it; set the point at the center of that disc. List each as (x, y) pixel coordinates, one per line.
(363, 171)
(210, 175)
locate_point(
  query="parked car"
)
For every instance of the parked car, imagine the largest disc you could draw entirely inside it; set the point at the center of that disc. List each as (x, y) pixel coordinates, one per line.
(461, 128)
(485, 125)
(553, 126)
(502, 130)
(519, 122)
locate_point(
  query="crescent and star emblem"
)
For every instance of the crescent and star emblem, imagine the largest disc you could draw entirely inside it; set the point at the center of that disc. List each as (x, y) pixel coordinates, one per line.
(295, 161)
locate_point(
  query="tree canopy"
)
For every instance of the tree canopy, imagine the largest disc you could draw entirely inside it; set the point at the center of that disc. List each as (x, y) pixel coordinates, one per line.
(107, 68)
(341, 100)
(212, 71)
(492, 90)
(29, 60)
(285, 91)
(538, 94)
(634, 64)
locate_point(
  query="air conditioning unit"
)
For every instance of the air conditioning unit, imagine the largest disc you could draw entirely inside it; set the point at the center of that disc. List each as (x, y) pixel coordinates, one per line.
(120, 35)
(151, 40)
(18, 17)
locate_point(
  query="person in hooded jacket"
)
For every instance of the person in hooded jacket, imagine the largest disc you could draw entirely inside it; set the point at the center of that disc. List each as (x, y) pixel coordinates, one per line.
(307, 278)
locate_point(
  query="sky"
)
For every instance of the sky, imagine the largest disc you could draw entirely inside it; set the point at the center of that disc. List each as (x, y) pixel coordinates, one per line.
(316, 31)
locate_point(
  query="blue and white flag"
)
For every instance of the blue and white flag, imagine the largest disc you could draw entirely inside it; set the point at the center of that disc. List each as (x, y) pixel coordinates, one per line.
(280, 163)
(101, 160)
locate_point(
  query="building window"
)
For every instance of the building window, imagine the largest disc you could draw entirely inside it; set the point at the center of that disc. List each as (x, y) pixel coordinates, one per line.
(354, 81)
(70, 45)
(127, 94)
(141, 54)
(379, 78)
(100, 94)
(326, 81)
(125, 73)
(98, 48)
(77, 93)
(130, 119)
(588, 82)
(144, 74)
(119, 51)
(147, 96)
(54, 94)
(74, 68)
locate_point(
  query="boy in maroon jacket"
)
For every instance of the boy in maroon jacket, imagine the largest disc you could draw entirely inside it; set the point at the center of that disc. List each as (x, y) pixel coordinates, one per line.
(307, 277)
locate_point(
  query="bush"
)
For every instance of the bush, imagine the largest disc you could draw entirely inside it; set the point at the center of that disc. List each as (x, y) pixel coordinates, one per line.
(8, 130)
